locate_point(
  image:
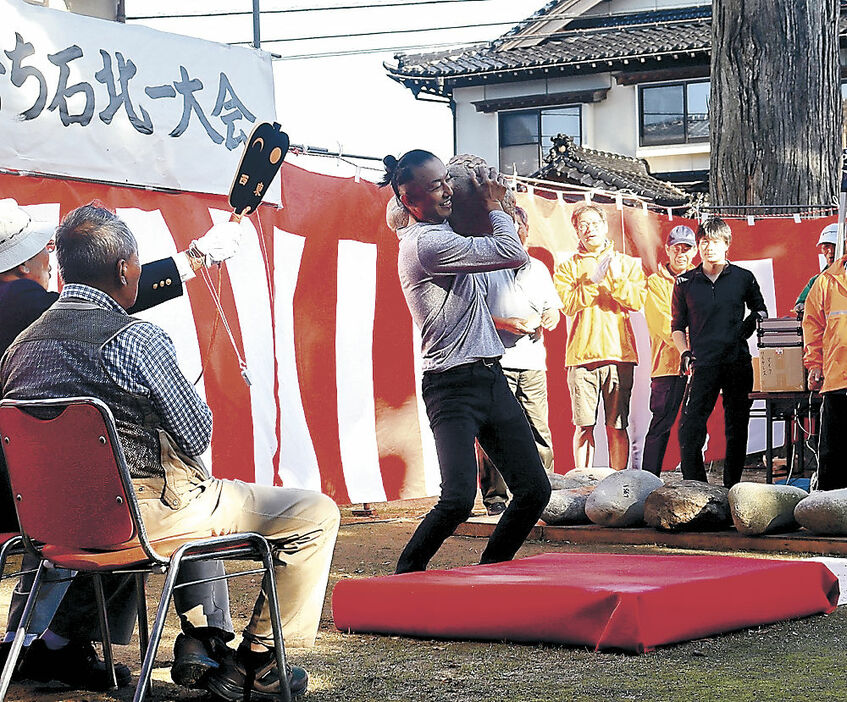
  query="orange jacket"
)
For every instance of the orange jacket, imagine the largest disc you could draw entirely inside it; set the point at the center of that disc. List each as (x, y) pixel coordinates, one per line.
(825, 326)
(657, 310)
(601, 329)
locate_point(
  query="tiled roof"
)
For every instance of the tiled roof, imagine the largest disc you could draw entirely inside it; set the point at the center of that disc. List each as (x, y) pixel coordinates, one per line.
(585, 45)
(569, 163)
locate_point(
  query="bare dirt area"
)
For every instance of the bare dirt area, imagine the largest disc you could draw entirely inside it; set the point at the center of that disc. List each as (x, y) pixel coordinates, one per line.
(797, 659)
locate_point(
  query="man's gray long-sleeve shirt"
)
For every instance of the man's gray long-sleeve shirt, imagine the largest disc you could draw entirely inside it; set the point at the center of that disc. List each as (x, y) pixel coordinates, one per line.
(446, 299)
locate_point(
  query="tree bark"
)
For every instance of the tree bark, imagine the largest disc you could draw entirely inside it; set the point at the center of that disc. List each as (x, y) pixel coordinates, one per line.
(775, 108)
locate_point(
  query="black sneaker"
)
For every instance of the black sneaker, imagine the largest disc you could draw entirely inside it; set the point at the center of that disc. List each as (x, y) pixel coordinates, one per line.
(195, 658)
(76, 665)
(256, 675)
(5, 648)
(495, 508)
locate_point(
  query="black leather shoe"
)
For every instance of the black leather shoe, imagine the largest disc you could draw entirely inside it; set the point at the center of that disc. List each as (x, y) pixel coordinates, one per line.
(256, 674)
(76, 665)
(195, 658)
(5, 648)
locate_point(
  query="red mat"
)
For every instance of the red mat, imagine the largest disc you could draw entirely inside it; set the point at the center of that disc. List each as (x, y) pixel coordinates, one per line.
(608, 601)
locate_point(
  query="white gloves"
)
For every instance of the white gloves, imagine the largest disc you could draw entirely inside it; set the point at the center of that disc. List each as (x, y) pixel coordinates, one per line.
(220, 242)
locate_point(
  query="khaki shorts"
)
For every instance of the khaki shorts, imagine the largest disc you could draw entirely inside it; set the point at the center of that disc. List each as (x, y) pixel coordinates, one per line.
(587, 383)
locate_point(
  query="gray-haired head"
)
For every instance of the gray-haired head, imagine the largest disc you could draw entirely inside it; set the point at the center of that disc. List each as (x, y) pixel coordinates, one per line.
(89, 243)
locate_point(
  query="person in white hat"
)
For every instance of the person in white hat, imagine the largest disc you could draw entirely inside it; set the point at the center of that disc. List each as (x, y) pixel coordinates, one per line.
(64, 652)
(667, 386)
(826, 246)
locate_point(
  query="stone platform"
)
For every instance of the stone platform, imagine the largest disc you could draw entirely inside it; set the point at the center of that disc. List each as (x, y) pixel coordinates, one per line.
(729, 540)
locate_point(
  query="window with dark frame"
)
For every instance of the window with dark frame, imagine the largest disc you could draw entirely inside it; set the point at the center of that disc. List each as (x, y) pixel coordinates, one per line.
(526, 135)
(674, 113)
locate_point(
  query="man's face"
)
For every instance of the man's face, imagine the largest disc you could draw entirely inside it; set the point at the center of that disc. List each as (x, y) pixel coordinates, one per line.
(680, 257)
(828, 252)
(39, 267)
(591, 229)
(713, 251)
(429, 195)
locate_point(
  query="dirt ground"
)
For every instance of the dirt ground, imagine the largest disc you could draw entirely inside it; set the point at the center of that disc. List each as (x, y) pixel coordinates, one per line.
(803, 659)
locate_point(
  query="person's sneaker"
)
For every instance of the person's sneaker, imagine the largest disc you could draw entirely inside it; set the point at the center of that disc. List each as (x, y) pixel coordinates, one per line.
(5, 648)
(76, 665)
(196, 658)
(255, 676)
(495, 508)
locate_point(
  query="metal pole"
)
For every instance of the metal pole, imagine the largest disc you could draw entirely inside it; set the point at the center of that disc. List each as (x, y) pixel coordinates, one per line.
(257, 41)
(842, 206)
(120, 12)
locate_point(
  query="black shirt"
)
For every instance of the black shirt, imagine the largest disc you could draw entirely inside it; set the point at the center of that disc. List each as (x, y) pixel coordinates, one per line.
(713, 313)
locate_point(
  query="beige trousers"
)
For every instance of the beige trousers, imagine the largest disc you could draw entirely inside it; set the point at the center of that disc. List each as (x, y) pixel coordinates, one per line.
(300, 524)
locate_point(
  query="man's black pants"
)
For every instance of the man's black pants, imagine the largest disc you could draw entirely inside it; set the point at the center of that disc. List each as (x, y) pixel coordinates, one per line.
(832, 474)
(735, 381)
(465, 403)
(666, 394)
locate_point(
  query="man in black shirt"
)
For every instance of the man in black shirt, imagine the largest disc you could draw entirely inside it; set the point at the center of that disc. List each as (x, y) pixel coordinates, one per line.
(709, 302)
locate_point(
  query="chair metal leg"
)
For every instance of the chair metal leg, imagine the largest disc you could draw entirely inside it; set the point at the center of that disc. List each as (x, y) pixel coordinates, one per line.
(6, 551)
(141, 601)
(158, 627)
(20, 634)
(105, 634)
(273, 605)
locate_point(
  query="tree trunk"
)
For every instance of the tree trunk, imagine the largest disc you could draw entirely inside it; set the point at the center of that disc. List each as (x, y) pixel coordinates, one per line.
(775, 109)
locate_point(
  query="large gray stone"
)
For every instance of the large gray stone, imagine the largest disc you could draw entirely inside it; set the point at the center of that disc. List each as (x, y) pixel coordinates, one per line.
(689, 505)
(618, 501)
(580, 477)
(758, 508)
(567, 506)
(824, 512)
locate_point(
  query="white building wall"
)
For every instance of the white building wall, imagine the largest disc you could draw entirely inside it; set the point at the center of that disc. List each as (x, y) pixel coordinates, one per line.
(608, 125)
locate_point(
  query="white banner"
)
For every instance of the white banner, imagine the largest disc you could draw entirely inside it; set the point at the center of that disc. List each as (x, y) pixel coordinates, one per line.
(102, 100)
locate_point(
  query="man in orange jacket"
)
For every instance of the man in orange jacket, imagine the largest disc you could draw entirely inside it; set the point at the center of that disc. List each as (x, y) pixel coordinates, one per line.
(825, 356)
(599, 289)
(667, 386)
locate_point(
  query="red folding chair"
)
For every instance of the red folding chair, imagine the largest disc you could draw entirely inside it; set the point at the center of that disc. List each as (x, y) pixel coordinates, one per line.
(77, 510)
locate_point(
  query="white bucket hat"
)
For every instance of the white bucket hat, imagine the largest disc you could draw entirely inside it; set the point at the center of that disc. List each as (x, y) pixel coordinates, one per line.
(21, 237)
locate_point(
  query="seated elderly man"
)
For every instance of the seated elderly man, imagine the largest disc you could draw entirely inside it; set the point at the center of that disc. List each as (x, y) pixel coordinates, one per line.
(64, 652)
(87, 345)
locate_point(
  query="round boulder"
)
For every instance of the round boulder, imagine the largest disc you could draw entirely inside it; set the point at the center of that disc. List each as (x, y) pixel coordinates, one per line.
(580, 477)
(689, 505)
(824, 512)
(567, 506)
(618, 501)
(758, 508)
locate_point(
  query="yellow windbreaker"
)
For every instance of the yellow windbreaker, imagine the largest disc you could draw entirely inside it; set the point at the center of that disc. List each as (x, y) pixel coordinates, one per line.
(601, 328)
(825, 326)
(657, 310)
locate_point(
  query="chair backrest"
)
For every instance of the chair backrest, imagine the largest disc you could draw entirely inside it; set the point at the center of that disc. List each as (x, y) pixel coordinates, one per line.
(69, 478)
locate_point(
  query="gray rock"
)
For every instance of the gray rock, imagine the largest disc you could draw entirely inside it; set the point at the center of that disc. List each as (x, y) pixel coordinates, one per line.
(580, 477)
(618, 501)
(567, 506)
(689, 505)
(824, 512)
(758, 508)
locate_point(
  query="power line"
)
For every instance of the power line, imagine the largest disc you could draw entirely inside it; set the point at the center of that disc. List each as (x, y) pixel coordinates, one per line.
(301, 9)
(388, 31)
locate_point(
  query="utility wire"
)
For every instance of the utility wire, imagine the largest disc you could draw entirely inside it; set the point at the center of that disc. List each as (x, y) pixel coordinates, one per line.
(370, 6)
(380, 33)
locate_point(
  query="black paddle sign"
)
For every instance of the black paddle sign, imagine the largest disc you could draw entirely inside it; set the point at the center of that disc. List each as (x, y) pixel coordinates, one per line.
(263, 155)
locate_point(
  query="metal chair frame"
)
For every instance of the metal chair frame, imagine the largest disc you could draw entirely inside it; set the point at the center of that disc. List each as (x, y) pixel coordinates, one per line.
(244, 546)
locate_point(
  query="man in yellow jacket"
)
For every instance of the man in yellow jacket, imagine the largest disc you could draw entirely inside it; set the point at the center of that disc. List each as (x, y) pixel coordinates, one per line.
(599, 289)
(667, 386)
(825, 356)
